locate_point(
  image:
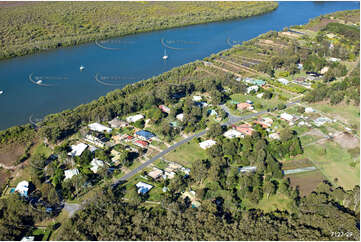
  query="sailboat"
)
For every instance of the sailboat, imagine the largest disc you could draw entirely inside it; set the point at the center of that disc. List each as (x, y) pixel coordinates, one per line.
(39, 82)
(165, 55)
(82, 67)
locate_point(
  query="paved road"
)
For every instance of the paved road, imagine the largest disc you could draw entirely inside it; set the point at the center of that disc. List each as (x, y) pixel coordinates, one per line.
(232, 120)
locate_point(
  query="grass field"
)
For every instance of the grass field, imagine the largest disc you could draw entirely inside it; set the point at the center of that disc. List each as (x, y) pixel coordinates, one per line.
(348, 114)
(334, 162)
(187, 153)
(274, 202)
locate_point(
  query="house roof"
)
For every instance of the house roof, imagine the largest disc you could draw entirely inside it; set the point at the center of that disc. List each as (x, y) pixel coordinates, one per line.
(116, 123)
(22, 188)
(95, 163)
(135, 118)
(70, 173)
(99, 127)
(77, 150)
(145, 134)
(206, 144)
(143, 187)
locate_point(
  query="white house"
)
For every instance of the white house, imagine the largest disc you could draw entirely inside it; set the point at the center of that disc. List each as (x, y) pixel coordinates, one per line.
(232, 133)
(248, 169)
(254, 88)
(143, 188)
(22, 188)
(309, 110)
(155, 173)
(180, 116)
(287, 117)
(70, 173)
(134, 118)
(77, 150)
(260, 95)
(99, 127)
(28, 238)
(207, 144)
(274, 136)
(95, 163)
(283, 81)
(321, 121)
(197, 98)
(94, 140)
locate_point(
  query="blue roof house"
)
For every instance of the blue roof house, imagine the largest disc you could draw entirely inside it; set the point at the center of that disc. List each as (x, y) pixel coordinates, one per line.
(144, 135)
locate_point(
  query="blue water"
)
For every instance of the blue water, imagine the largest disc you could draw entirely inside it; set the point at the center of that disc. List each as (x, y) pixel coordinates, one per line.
(133, 58)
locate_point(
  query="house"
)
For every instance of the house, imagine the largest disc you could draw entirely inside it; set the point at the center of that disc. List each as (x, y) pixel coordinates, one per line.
(77, 150)
(247, 169)
(144, 135)
(116, 155)
(321, 121)
(232, 133)
(212, 112)
(95, 163)
(180, 117)
(141, 143)
(252, 88)
(245, 129)
(274, 136)
(197, 98)
(70, 173)
(143, 188)
(244, 106)
(252, 81)
(300, 66)
(264, 122)
(119, 137)
(174, 166)
(283, 81)
(155, 173)
(207, 144)
(185, 170)
(99, 128)
(169, 175)
(22, 188)
(309, 110)
(134, 118)
(333, 59)
(164, 108)
(92, 148)
(117, 123)
(287, 117)
(324, 70)
(260, 95)
(28, 238)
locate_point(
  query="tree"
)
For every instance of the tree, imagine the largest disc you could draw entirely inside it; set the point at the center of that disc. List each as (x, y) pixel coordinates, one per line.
(215, 130)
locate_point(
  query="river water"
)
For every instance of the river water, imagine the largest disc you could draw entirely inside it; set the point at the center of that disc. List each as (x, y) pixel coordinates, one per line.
(114, 63)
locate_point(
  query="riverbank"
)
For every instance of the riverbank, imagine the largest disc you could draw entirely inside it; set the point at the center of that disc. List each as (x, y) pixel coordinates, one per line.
(43, 26)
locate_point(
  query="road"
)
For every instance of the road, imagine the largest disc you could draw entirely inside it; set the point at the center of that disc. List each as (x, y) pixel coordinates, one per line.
(232, 120)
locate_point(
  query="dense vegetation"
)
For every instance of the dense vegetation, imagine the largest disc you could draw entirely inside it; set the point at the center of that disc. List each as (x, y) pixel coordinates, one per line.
(317, 216)
(40, 26)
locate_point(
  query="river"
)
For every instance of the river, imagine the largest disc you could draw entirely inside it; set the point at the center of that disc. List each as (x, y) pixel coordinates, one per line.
(114, 63)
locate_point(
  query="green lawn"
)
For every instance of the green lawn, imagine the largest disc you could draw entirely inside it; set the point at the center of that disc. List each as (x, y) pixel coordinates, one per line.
(274, 202)
(349, 114)
(334, 162)
(187, 153)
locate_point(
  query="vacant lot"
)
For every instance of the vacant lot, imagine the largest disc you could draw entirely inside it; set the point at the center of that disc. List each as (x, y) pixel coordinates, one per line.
(9, 154)
(294, 164)
(186, 154)
(306, 181)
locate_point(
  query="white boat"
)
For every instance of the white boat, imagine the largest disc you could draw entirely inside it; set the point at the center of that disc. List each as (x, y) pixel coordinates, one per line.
(39, 82)
(1, 92)
(165, 55)
(82, 68)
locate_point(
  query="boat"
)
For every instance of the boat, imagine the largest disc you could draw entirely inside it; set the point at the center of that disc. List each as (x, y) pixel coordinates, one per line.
(39, 82)
(1, 92)
(165, 55)
(82, 67)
